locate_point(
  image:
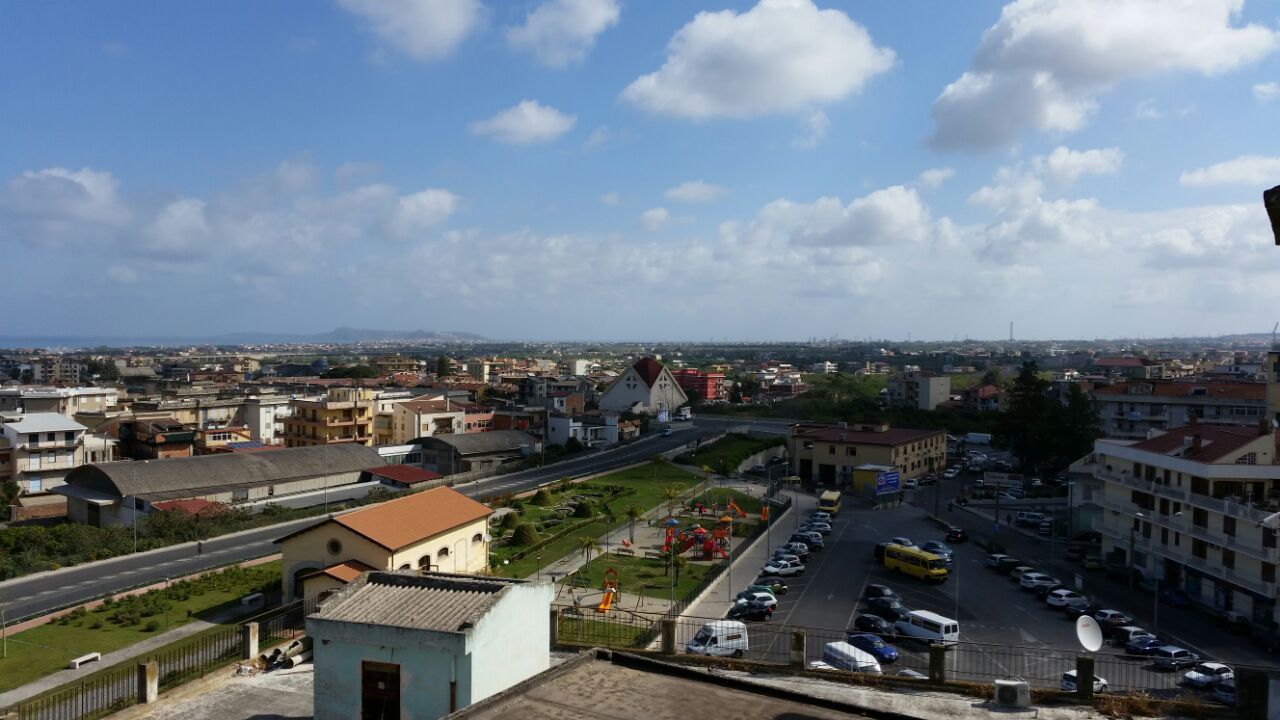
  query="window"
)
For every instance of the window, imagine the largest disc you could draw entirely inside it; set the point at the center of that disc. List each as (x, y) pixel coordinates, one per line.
(1199, 517)
(831, 449)
(1268, 537)
(1229, 525)
(1199, 548)
(1247, 459)
(69, 436)
(1268, 572)
(334, 546)
(443, 553)
(478, 537)
(50, 436)
(404, 567)
(424, 562)
(1228, 559)
(851, 451)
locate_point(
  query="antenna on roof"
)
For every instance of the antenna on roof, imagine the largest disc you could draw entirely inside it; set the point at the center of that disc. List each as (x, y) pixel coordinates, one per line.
(1273, 335)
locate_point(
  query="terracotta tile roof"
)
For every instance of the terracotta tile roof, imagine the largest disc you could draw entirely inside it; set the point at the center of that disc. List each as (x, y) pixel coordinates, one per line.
(407, 474)
(892, 436)
(407, 520)
(648, 369)
(442, 602)
(1216, 441)
(192, 506)
(347, 571)
(1176, 389)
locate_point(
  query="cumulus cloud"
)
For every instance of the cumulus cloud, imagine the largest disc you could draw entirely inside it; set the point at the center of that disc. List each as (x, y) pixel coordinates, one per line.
(1266, 92)
(934, 177)
(779, 56)
(1256, 170)
(527, 123)
(695, 191)
(422, 29)
(1064, 166)
(62, 195)
(180, 227)
(560, 33)
(815, 126)
(421, 211)
(598, 138)
(1045, 63)
(655, 219)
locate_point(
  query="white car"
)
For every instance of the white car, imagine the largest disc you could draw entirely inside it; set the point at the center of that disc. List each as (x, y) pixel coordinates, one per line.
(1205, 675)
(764, 598)
(903, 541)
(781, 568)
(1033, 580)
(786, 557)
(1069, 682)
(820, 517)
(1062, 598)
(951, 473)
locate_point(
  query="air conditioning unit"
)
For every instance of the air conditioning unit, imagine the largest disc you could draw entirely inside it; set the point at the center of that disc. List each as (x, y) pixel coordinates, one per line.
(1013, 693)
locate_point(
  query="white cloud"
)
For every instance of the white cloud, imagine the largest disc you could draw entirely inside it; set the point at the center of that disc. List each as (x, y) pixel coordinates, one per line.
(1244, 170)
(1064, 166)
(610, 198)
(526, 123)
(780, 56)
(422, 29)
(1045, 62)
(695, 191)
(892, 216)
(63, 195)
(1147, 110)
(180, 227)
(816, 125)
(1266, 92)
(655, 219)
(597, 138)
(934, 177)
(416, 213)
(560, 33)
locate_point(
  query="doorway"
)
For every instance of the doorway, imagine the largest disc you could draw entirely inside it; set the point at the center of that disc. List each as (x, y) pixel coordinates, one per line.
(379, 691)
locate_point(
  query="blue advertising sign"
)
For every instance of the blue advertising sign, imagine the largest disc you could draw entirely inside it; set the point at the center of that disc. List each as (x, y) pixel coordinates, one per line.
(886, 482)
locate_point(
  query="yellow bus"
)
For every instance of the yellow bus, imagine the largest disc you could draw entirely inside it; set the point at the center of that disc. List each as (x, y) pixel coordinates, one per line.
(829, 502)
(915, 562)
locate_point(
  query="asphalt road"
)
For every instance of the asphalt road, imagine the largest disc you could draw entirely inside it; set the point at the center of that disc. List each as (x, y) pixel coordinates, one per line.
(41, 593)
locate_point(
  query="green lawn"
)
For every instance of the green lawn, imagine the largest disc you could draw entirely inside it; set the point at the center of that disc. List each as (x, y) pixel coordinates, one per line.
(43, 650)
(728, 452)
(609, 633)
(646, 576)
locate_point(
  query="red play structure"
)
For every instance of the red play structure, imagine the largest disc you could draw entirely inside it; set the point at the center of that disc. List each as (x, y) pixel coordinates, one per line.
(713, 543)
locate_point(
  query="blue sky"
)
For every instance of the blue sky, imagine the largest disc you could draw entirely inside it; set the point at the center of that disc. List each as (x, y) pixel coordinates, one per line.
(640, 170)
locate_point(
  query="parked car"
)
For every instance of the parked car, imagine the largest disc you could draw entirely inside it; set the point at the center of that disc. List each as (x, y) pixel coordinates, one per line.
(1174, 597)
(1111, 620)
(951, 473)
(819, 527)
(910, 484)
(1121, 636)
(873, 624)
(1033, 580)
(1028, 519)
(957, 535)
(1007, 564)
(1235, 623)
(1208, 674)
(754, 612)
(913, 674)
(776, 584)
(757, 596)
(820, 516)
(1224, 692)
(1143, 645)
(781, 568)
(1064, 596)
(1017, 572)
(1171, 657)
(785, 556)
(926, 479)
(889, 608)
(1042, 591)
(796, 548)
(903, 541)
(1075, 610)
(1074, 553)
(882, 651)
(1069, 682)
(993, 560)
(760, 588)
(878, 591)
(809, 537)
(939, 548)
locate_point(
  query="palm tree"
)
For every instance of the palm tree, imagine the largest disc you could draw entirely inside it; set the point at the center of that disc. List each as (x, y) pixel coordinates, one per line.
(633, 513)
(678, 562)
(671, 493)
(588, 545)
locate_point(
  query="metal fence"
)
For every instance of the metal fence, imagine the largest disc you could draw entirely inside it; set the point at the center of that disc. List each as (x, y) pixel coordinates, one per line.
(1041, 667)
(116, 687)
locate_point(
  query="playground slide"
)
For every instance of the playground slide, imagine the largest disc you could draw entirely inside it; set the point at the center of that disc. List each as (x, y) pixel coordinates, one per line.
(605, 603)
(688, 543)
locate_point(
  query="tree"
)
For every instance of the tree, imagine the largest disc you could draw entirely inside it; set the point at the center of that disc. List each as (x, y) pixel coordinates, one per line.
(588, 545)
(672, 494)
(1028, 426)
(525, 535)
(678, 563)
(693, 395)
(991, 377)
(573, 445)
(1078, 427)
(633, 513)
(583, 510)
(351, 372)
(8, 494)
(735, 393)
(444, 367)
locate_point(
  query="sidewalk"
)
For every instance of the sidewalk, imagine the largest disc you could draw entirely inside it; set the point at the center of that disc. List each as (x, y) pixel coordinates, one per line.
(136, 650)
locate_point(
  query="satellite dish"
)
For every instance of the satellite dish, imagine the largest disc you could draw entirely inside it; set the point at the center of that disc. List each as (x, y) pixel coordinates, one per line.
(1089, 634)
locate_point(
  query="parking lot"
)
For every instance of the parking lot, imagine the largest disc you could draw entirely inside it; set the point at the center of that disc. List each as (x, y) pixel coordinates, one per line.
(1005, 630)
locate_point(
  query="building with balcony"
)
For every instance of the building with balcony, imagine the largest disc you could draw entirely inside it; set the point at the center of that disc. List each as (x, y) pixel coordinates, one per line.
(593, 431)
(707, 385)
(64, 401)
(1186, 509)
(155, 438)
(265, 415)
(42, 449)
(425, 418)
(826, 455)
(1136, 368)
(1136, 408)
(919, 389)
(343, 415)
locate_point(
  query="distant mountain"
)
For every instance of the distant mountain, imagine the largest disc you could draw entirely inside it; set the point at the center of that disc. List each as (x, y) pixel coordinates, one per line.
(348, 335)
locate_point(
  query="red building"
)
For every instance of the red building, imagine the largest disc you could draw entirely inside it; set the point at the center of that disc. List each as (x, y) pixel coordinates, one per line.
(708, 386)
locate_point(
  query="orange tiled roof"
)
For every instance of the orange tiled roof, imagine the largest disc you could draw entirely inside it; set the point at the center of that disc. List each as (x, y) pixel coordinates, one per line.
(347, 571)
(404, 521)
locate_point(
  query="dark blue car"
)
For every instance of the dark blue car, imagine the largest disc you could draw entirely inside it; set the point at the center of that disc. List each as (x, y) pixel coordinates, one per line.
(879, 649)
(1143, 645)
(1174, 598)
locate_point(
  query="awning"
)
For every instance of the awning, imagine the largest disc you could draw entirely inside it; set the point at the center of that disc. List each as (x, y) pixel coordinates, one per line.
(94, 497)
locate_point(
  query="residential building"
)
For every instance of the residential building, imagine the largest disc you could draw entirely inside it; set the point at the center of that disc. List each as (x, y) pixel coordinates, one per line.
(396, 645)
(984, 398)
(397, 363)
(707, 385)
(438, 529)
(343, 415)
(824, 368)
(590, 430)
(64, 401)
(414, 419)
(117, 493)
(59, 369)
(919, 389)
(42, 449)
(1135, 408)
(265, 415)
(826, 455)
(1193, 508)
(646, 388)
(1136, 368)
(213, 440)
(155, 438)
(457, 453)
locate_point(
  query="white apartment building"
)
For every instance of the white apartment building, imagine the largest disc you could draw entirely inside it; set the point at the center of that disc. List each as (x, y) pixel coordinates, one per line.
(414, 419)
(1193, 508)
(919, 389)
(265, 416)
(42, 449)
(64, 401)
(1135, 408)
(824, 368)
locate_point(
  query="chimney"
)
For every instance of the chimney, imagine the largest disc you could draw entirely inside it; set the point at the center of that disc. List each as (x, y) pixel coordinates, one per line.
(1264, 426)
(1193, 420)
(1195, 444)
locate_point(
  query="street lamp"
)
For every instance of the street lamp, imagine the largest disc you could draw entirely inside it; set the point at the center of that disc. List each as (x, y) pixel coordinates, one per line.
(1133, 529)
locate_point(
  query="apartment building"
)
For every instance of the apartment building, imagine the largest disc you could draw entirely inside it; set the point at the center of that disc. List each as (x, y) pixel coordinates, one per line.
(1130, 367)
(57, 369)
(919, 389)
(264, 416)
(1136, 408)
(397, 363)
(707, 385)
(1194, 508)
(824, 368)
(42, 449)
(426, 418)
(64, 401)
(827, 454)
(343, 415)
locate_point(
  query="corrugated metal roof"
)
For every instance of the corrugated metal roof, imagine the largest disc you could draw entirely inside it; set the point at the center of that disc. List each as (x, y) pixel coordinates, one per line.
(477, 443)
(442, 602)
(44, 422)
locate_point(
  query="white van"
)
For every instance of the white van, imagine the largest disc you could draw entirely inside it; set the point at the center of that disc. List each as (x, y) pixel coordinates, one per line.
(722, 637)
(843, 656)
(929, 627)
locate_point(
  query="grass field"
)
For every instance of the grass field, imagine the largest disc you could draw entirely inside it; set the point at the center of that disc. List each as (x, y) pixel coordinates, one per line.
(596, 632)
(43, 650)
(728, 452)
(646, 576)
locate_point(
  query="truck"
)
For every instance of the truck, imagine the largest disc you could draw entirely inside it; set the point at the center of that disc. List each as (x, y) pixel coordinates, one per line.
(977, 438)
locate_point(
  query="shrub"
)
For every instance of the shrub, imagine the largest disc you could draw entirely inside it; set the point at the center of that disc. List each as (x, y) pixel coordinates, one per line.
(583, 510)
(510, 521)
(525, 534)
(542, 497)
(95, 625)
(152, 626)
